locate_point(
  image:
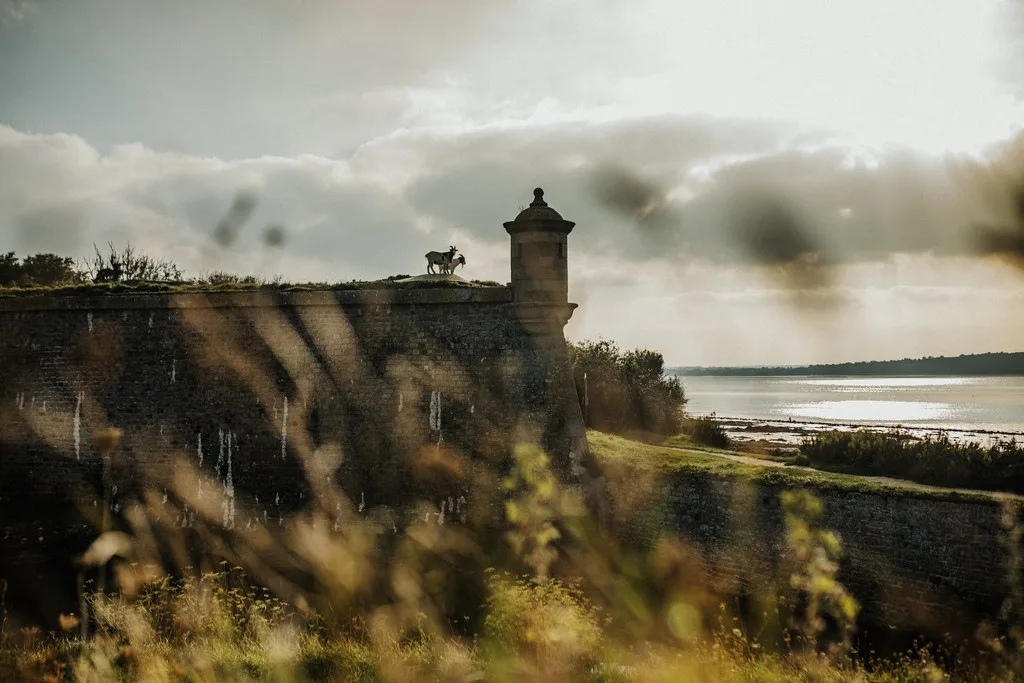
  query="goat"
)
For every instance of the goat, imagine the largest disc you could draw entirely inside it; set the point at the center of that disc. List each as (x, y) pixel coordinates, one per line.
(449, 268)
(439, 258)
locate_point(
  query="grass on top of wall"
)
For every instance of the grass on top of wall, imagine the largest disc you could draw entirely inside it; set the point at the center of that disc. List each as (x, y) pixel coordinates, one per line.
(610, 448)
(246, 285)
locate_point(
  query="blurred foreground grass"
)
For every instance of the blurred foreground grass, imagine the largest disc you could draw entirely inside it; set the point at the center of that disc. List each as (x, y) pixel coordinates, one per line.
(562, 600)
(547, 630)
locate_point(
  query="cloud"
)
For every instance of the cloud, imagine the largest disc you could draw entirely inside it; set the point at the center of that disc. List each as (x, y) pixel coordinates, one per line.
(731, 196)
(728, 194)
(466, 178)
(351, 218)
(830, 205)
(235, 78)
(66, 196)
(1002, 182)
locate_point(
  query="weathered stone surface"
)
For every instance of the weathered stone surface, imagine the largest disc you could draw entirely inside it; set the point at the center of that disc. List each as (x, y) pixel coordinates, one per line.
(916, 563)
(247, 387)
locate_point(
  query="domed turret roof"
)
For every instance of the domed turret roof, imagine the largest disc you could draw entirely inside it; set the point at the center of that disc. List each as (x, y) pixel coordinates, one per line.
(538, 209)
(538, 214)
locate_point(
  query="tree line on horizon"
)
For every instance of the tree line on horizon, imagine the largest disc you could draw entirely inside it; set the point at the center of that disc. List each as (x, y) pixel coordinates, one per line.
(995, 363)
(125, 264)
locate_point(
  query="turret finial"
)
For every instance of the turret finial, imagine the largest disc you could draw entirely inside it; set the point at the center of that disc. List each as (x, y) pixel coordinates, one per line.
(538, 198)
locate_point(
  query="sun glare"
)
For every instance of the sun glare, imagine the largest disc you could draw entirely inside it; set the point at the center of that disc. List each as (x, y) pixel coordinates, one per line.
(911, 73)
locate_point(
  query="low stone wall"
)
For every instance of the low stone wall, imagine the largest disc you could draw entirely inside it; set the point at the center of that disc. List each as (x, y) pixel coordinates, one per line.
(928, 564)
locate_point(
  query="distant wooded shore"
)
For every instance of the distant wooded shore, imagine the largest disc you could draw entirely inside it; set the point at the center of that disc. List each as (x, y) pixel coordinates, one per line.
(965, 364)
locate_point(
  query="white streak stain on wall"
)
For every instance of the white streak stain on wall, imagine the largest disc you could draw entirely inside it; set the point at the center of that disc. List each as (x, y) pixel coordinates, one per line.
(435, 410)
(220, 454)
(228, 506)
(575, 468)
(77, 425)
(88, 317)
(284, 429)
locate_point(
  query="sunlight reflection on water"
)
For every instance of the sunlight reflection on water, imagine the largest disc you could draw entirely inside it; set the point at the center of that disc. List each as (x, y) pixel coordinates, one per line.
(871, 411)
(989, 403)
(886, 383)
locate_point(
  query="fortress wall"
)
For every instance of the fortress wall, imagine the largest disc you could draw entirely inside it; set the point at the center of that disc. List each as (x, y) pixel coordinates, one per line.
(931, 564)
(243, 387)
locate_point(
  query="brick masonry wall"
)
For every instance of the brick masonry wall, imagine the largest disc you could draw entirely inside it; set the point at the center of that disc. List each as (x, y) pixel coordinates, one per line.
(917, 563)
(263, 397)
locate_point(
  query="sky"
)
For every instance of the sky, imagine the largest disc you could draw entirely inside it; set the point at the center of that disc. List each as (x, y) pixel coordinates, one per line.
(753, 182)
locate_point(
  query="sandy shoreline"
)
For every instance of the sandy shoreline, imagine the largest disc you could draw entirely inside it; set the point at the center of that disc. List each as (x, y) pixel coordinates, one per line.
(787, 434)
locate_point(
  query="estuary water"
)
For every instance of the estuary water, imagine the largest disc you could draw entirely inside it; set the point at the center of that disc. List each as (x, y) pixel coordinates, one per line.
(993, 405)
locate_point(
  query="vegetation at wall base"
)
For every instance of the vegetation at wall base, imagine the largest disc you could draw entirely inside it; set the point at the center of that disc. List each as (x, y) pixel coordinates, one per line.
(936, 460)
(625, 391)
(704, 430)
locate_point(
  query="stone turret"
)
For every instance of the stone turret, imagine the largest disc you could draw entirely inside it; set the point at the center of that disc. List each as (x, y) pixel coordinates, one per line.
(540, 266)
(540, 299)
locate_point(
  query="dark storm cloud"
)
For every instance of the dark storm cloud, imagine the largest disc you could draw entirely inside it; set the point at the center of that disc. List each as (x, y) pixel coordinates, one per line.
(1006, 242)
(760, 227)
(471, 178)
(235, 219)
(1002, 183)
(727, 198)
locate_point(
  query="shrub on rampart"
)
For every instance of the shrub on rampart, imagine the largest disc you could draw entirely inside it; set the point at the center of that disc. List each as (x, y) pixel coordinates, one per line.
(706, 430)
(932, 460)
(626, 391)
